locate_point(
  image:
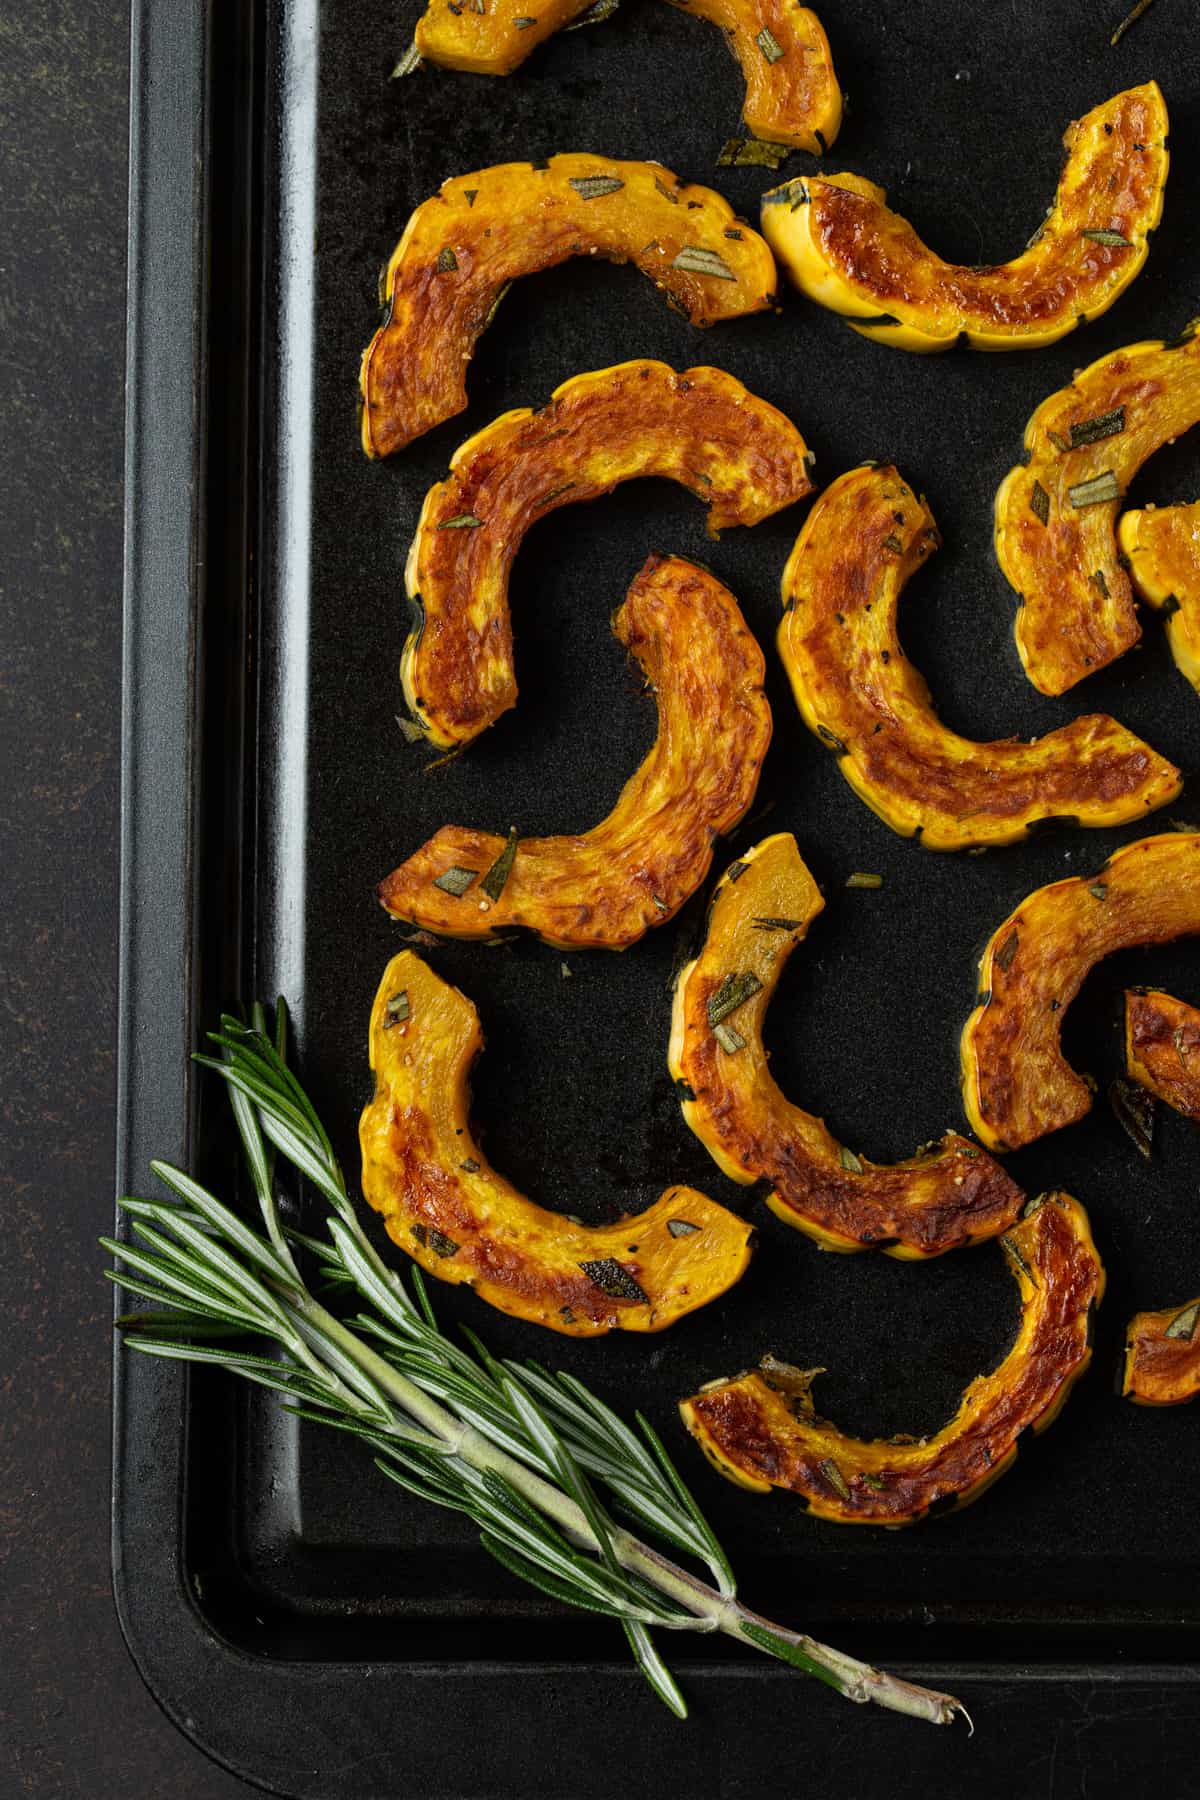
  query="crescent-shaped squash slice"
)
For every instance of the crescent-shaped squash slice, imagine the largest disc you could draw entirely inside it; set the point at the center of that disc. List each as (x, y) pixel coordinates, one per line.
(1162, 1048)
(859, 693)
(792, 94)
(948, 1195)
(461, 249)
(448, 1208)
(604, 888)
(702, 429)
(1017, 1085)
(492, 38)
(1056, 512)
(1161, 545)
(845, 249)
(1162, 1356)
(762, 1431)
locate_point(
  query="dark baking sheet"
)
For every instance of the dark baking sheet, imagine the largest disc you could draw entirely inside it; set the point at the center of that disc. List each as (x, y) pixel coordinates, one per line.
(304, 1620)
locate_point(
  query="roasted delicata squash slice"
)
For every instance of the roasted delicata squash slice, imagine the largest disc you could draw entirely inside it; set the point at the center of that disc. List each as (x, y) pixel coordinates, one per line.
(1162, 1356)
(1056, 512)
(462, 248)
(702, 429)
(604, 888)
(1162, 1048)
(845, 249)
(792, 94)
(948, 1195)
(1017, 1085)
(862, 697)
(1161, 546)
(761, 1429)
(446, 1206)
(492, 37)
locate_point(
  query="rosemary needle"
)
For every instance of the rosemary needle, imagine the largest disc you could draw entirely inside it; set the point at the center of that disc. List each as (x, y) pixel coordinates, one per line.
(525, 1453)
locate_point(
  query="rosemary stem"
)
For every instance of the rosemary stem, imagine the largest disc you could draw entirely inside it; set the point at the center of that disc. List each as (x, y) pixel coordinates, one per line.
(713, 1611)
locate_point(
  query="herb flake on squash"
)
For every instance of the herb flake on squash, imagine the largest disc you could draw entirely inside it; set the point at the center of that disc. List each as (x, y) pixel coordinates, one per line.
(1162, 1048)
(865, 536)
(1161, 545)
(761, 1429)
(605, 887)
(444, 1204)
(1017, 1085)
(1162, 1356)
(1077, 610)
(493, 37)
(793, 95)
(947, 1196)
(701, 428)
(840, 243)
(515, 219)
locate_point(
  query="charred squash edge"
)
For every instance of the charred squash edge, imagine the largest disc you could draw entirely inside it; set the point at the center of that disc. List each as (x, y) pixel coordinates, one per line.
(687, 634)
(856, 690)
(1017, 1085)
(952, 1193)
(889, 314)
(743, 484)
(793, 95)
(463, 247)
(446, 1206)
(1162, 1048)
(774, 1437)
(1056, 542)
(1176, 598)
(1162, 1356)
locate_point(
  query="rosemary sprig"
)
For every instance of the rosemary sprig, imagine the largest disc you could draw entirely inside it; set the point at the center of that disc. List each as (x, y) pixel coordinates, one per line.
(533, 1458)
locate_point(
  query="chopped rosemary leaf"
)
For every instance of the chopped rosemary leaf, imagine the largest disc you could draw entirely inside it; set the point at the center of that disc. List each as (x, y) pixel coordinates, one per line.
(1096, 492)
(524, 24)
(495, 306)
(1011, 1250)
(698, 261)
(681, 1227)
(773, 924)
(1096, 580)
(849, 1161)
(409, 63)
(1090, 431)
(832, 739)
(455, 880)
(1098, 890)
(666, 192)
(435, 1240)
(614, 1280)
(660, 904)
(396, 1010)
(469, 1166)
(477, 6)
(1183, 1325)
(1131, 18)
(595, 15)
(461, 522)
(447, 261)
(1112, 238)
(469, 194)
(1060, 442)
(1133, 1109)
(736, 870)
(834, 1477)
(412, 734)
(862, 880)
(593, 187)
(733, 992)
(493, 882)
(729, 1038)
(770, 46)
(1039, 503)
(875, 1481)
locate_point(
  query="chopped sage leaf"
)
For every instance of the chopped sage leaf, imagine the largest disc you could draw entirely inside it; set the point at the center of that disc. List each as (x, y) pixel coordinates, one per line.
(470, 1166)
(396, 1010)
(698, 261)
(1039, 503)
(1095, 492)
(446, 261)
(469, 194)
(593, 187)
(1112, 238)
(861, 879)
(681, 1227)
(613, 1279)
(770, 46)
(493, 882)
(595, 15)
(875, 1481)
(1007, 951)
(435, 1240)
(1090, 431)
(834, 1477)
(455, 880)
(1133, 1109)
(733, 992)
(849, 1161)
(408, 63)
(1131, 18)
(1099, 890)
(461, 522)
(565, 1313)
(1183, 1325)
(730, 1040)
(774, 924)
(412, 734)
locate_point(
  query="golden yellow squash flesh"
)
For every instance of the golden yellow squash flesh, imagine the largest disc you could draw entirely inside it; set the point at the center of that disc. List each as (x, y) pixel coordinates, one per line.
(840, 244)
(762, 1431)
(701, 428)
(490, 37)
(479, 232)
(793, 95)
(1056, 511)
(1017, 1085)
(1162, 1048)
(603, 888)
(444, 1204)
(1162, 1356)
(948, 1195)
(1161, 545)
(857, 690)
